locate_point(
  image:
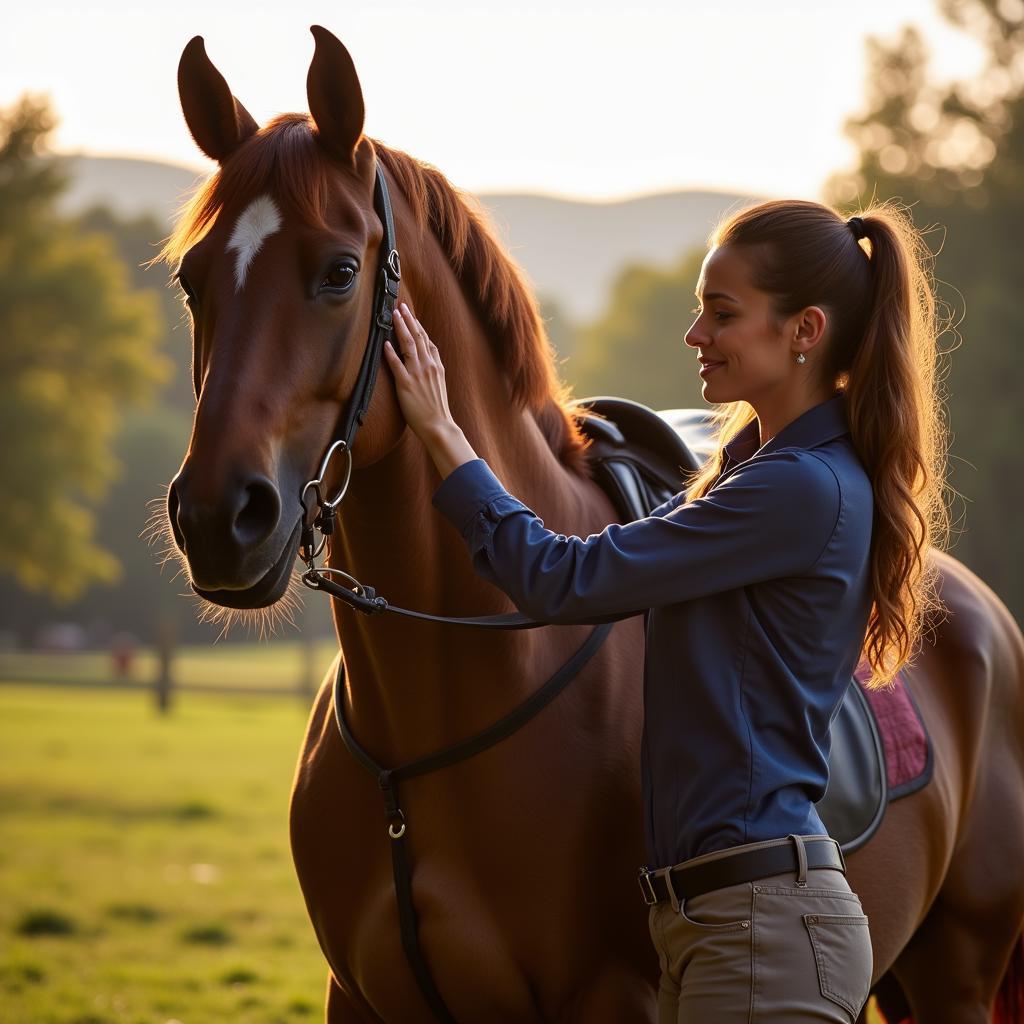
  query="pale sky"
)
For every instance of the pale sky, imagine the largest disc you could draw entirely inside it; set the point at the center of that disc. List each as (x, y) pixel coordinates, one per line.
(584, 98)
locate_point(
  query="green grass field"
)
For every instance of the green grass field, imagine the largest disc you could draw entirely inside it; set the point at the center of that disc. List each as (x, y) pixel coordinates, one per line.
(145, 875)
(268, 666)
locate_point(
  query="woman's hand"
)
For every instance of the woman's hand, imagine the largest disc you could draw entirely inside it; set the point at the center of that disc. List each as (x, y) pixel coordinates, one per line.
(419, 376)
(423, 394)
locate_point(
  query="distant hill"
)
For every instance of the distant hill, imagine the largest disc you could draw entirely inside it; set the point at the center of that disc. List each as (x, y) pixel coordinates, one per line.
(570, 249)
(128, 187)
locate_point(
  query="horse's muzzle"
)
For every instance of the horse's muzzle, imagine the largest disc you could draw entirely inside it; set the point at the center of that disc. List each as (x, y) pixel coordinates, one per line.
(234, 540)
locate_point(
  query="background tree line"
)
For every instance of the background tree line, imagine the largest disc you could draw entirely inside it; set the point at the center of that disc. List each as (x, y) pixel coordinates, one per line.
(95, 398)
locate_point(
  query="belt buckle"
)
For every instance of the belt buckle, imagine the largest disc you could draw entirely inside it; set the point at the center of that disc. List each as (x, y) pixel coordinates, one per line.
(646, 887)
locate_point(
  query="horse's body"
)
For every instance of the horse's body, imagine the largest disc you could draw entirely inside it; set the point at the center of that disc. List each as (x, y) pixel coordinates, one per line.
(525, 855)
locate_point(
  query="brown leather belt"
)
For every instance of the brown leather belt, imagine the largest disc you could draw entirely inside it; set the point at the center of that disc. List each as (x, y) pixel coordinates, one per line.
(742, 866)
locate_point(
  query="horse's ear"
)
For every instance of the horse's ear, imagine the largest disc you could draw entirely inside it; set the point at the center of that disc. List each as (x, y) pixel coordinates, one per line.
(217, 121)
(335, 97)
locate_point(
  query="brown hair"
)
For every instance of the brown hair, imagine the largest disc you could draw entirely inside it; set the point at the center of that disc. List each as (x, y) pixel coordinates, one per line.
(881, 351)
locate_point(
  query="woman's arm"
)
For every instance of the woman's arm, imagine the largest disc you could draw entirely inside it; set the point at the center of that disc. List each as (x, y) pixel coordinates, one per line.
(666, 506)
(770, 517)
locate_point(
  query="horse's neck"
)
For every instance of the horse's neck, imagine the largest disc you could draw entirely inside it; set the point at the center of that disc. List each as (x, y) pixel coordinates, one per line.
(414, 685)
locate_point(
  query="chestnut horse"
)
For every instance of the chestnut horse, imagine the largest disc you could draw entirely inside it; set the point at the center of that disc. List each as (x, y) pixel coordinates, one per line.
(525, 855)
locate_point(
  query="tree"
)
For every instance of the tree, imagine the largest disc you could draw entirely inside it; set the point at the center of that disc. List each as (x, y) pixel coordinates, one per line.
(78, 344)
(956, 153)
(635, 349)
(136, 241)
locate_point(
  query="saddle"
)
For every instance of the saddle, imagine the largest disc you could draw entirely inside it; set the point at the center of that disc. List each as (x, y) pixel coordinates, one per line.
(638, 458)
(880, 747)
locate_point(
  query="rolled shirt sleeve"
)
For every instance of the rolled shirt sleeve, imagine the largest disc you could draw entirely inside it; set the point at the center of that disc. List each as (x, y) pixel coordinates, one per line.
(770, 517)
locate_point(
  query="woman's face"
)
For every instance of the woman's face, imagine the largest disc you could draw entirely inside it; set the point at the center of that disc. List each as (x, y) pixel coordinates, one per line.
(745, 350)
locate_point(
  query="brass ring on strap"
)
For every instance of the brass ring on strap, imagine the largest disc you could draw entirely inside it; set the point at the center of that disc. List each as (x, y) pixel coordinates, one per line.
(397, 833)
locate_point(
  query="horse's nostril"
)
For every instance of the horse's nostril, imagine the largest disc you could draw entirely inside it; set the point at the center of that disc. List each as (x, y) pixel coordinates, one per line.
(259, 513)
(173, 504)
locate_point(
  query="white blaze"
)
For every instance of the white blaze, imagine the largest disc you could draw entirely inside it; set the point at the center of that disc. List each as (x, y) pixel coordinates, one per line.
(258, 220)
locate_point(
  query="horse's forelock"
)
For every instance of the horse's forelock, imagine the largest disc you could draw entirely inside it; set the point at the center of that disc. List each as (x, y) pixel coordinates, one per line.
(282, 159)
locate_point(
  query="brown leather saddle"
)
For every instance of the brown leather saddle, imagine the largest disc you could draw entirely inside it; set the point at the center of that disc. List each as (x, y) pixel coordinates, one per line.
(640, 458)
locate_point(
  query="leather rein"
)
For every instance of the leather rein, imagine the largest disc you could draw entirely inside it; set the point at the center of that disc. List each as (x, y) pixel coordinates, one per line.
(363, 598)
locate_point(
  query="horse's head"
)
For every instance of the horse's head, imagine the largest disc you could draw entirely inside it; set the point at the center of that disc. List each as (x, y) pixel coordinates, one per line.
(278, 257)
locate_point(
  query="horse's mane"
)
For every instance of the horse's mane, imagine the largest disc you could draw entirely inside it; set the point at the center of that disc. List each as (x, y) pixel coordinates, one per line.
(285, 158)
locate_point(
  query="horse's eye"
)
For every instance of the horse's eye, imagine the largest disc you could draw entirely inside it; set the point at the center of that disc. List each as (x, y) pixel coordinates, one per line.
(339, 277)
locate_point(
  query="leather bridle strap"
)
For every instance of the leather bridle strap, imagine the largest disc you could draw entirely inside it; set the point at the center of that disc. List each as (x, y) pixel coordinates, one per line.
(388, 779)
(385, 297)
(372, 603)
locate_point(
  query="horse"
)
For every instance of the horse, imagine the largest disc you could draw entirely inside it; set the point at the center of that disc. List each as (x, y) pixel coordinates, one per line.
(523, 856)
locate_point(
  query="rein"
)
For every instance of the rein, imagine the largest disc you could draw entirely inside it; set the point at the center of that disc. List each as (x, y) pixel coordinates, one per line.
(365, 599)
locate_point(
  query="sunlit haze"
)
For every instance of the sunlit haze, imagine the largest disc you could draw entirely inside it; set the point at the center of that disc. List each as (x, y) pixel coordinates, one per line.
(594, 99)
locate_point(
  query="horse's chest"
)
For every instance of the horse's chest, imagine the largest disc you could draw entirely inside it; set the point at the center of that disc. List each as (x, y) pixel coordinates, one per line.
(342, 854)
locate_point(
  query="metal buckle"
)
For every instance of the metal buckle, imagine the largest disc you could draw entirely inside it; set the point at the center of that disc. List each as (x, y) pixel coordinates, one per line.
(393, 263)
(647, 887)
(325, 509)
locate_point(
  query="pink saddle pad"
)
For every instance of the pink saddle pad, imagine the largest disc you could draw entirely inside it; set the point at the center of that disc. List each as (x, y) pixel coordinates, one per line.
(904, 739)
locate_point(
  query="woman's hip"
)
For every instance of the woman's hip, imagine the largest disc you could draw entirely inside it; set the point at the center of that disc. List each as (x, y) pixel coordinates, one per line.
(790, 946)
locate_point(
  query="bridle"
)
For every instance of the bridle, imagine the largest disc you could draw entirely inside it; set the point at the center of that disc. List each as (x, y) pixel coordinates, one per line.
(385, 295)
(365, 599)
(325, 510)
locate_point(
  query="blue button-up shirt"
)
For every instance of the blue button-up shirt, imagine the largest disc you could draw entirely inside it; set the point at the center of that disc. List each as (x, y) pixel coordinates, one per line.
(757, 600)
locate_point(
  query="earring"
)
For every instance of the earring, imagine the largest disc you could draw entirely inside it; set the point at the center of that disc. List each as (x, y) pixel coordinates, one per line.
(801, 358)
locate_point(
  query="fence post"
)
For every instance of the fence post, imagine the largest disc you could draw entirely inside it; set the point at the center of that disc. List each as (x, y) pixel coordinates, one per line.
(166, 643)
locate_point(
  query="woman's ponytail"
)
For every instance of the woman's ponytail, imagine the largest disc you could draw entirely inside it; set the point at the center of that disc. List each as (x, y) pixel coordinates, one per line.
(896, 425)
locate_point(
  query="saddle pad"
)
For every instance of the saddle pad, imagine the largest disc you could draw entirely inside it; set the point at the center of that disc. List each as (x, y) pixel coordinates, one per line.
(880, 752)
(908, 754)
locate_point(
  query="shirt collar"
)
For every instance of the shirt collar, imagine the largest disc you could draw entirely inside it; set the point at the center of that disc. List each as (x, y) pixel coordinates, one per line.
(819, 424)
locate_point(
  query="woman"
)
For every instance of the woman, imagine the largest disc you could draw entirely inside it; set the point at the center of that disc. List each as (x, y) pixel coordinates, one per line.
(799, 547)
